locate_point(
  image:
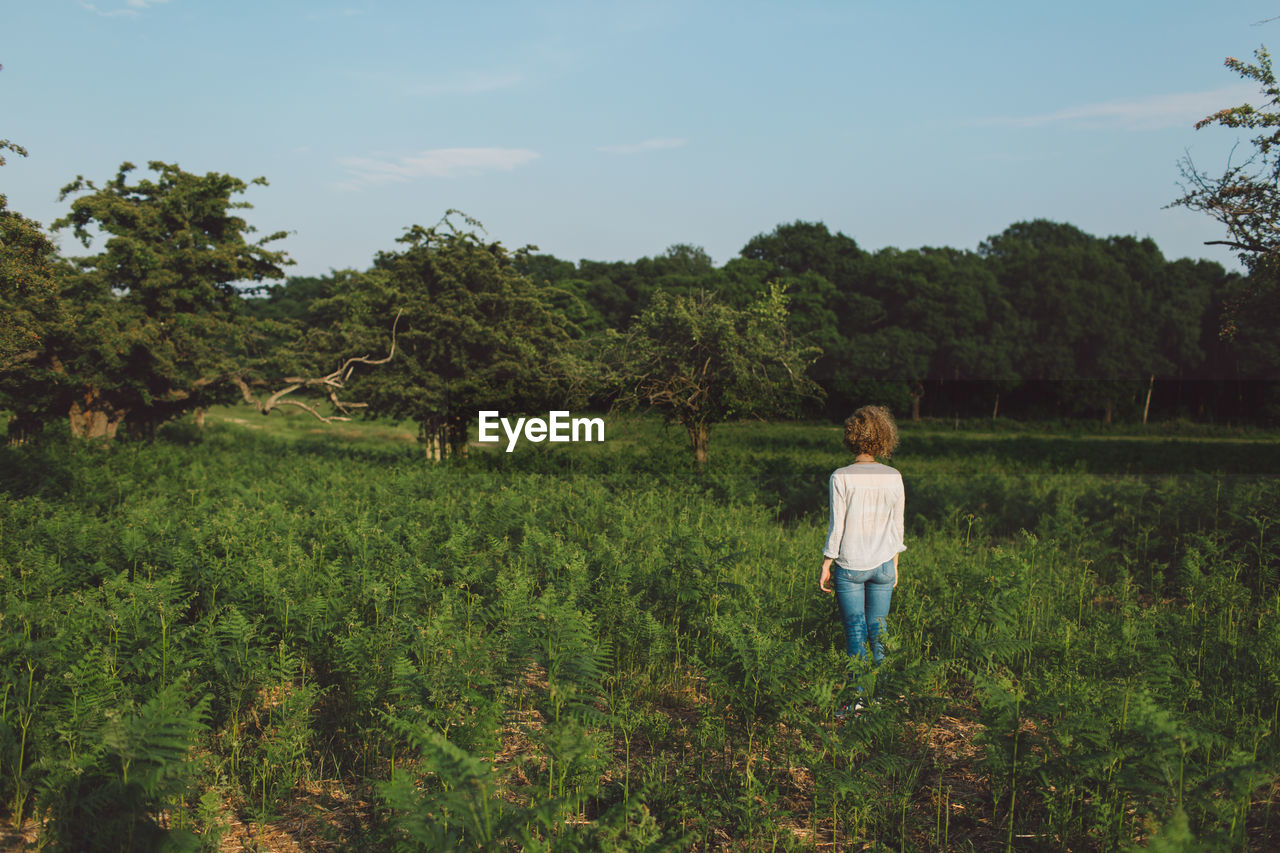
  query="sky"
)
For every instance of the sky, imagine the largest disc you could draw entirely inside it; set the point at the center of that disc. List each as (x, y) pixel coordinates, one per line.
(613, 130)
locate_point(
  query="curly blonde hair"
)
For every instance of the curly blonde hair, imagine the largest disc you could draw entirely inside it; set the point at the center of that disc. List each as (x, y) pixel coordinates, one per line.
(872, 430)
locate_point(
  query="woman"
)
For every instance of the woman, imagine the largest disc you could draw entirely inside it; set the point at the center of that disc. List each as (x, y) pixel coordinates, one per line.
(865, 536)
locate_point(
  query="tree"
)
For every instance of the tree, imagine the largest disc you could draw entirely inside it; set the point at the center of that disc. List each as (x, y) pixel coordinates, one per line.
(682, 259)
(1173, 300)
(291, 300)
(801, 247)
(1245, 199)
(955, 324)
(28, 286)
(583, 302)
(1084, 321)
(160, 321)
(474, 333)
(28, 303)
(702, 362)
(597, 295)
(827, 279)
(31, 310)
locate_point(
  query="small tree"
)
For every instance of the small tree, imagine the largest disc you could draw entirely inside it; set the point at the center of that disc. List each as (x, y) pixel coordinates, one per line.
(154, 325)
(30, 310)
(702, 362)
(474, 333)
(28, 290)
(28, 298)
(1245, 199)
(161, 321)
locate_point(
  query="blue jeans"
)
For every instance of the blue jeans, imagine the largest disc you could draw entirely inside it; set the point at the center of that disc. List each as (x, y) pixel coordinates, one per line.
(863, 598)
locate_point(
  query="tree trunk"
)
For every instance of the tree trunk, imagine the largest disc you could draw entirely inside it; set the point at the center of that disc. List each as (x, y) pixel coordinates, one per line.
(456, 437)
(429, 438)
(21, 429)
(94, 417)
(917, 391)
(699, 437)
(1147, 408)
(995, 410)
(198, 415)
(444, 438)
(1106, 413)
(143, 425)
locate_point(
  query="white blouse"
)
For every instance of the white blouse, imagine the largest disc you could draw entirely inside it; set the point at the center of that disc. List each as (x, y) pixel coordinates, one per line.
(866, 516)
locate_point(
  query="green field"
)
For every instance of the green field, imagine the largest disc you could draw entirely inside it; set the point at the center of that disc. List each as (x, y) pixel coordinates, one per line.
(272, 634)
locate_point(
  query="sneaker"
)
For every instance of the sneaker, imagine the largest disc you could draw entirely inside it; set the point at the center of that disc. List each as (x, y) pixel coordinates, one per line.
(855, 708)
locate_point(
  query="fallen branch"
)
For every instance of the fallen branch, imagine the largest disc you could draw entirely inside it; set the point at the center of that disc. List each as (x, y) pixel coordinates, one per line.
(330, 384)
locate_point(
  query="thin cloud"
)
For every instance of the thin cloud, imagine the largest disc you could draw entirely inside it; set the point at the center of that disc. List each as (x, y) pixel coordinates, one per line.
(641, 147)
(130, 9)
(436, 163)
(1154, 112)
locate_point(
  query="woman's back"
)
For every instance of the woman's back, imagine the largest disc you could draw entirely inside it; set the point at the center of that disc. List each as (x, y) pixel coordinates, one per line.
(866, 526)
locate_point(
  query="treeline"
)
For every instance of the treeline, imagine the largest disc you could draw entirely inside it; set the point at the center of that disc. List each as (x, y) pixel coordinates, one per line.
(1042, 321)
(176, 312)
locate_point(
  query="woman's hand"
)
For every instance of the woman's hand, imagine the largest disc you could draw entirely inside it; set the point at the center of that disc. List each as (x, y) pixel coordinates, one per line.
(895, 571)
(824, 577)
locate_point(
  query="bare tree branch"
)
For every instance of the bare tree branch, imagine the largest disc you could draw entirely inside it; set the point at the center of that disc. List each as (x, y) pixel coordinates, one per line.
(330, 384)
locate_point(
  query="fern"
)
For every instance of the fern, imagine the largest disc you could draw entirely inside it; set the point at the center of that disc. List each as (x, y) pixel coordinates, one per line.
(461, 807)
(111, 798)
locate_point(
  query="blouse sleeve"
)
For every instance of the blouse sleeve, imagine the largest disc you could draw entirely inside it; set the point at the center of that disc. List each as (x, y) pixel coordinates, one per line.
(899, 513)
(836, 529)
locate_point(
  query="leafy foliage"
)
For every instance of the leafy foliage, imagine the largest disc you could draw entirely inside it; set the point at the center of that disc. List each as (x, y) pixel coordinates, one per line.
(1245, 199)
(28, 287)
(29, 306)
(597, 651)
(701, 362)
(111, 796)
(161, 322)
(475, 334)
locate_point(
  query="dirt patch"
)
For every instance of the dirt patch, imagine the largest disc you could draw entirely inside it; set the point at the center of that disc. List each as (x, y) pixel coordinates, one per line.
(322, 816)
(957, 791)
(1263, 819)
(16, 840)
